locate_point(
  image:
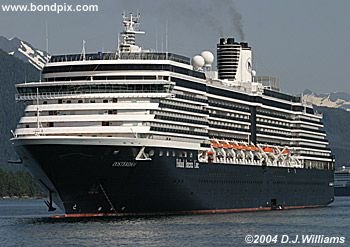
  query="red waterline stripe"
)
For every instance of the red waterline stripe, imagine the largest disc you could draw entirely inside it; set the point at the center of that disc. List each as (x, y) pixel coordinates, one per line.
(209, 211)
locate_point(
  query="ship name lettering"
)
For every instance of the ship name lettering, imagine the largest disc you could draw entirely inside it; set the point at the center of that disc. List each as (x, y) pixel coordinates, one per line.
(180, 163)
(124, 164)
(187, 164)
(196, 165)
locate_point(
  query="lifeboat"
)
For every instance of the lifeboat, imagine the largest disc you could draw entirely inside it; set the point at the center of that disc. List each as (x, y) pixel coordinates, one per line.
(225, 145)
(268, 149)
(235, 146)
(252, 148)
(286, 151)
(216, 145)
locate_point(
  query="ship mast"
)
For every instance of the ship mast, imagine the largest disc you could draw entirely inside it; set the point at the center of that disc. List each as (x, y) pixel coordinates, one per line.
(130, 29)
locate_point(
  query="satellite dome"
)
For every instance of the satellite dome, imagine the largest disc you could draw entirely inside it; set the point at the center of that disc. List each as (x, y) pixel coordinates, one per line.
(253, 73)
(208, 57)
(198, 61)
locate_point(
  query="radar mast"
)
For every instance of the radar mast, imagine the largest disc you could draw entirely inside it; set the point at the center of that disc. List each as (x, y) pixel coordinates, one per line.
(130, 29)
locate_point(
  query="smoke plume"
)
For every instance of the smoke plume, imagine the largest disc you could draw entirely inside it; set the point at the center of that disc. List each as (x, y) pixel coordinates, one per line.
(228, 10)
(236, 19)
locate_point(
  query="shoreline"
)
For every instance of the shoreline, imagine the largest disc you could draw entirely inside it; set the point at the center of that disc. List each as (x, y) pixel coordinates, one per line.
(21, 198)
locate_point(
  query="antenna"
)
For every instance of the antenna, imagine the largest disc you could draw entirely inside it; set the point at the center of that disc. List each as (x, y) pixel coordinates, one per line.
(162, 40)
(166, 38)
(83, 55)
(47, 43)
(156, 41)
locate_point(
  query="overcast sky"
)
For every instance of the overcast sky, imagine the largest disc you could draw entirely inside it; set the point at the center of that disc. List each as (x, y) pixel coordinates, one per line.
(305, 43)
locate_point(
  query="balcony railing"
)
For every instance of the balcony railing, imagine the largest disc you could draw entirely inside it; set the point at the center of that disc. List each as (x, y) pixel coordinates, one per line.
(94, 94)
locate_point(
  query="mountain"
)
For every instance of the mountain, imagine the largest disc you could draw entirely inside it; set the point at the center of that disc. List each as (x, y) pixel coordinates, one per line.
(336, 124)
(333, 100)
(12, 71)
(335, 108)
(24, 51)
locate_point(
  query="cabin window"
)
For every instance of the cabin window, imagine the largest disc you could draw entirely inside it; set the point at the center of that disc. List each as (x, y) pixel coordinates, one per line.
(80, 101)
(59, 101)
(105, 101)
(112, 111)
(105, 123)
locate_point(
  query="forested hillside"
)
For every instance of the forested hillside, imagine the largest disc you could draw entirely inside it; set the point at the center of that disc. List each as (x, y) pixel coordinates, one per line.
(12, 71)
(18, 183)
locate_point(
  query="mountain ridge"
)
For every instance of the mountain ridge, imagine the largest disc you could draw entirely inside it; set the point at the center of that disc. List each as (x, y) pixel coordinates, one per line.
(24, 51)
(332, 100)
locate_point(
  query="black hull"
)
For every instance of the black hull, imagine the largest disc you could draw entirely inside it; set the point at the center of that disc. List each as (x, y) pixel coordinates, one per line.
(342, 191)
(86, 179)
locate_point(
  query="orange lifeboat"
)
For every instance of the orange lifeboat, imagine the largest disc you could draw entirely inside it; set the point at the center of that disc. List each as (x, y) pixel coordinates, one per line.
(268, 149)
(215, 144)
(239, 147)
(245, 147)
(225, 145)
(252, 148)
(286, 151)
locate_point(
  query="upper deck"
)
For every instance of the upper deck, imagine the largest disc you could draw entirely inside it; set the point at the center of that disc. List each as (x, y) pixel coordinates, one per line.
(123, 56)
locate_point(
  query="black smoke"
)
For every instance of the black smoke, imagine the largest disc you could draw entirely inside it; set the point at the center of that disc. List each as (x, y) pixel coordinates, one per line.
(220, 16)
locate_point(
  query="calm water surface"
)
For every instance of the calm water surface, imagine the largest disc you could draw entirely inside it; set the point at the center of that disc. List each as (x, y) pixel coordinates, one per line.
(26, 223)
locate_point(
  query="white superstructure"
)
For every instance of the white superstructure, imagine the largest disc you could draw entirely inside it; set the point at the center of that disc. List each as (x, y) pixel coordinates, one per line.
(140, 98)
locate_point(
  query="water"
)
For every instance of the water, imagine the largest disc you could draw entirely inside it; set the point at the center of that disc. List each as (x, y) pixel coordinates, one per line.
(26, 223)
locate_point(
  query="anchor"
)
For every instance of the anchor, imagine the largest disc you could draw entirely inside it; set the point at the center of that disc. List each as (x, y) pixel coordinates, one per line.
(48, 203)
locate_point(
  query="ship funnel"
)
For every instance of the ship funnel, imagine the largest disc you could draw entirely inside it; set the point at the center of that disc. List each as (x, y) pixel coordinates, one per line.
(234, 60)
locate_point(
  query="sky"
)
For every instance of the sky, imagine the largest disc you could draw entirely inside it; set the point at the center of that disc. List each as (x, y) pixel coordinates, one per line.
(304, 43)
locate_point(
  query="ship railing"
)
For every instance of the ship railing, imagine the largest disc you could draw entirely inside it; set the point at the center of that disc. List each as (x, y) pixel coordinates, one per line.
(123, 55)
(52, 95)
(237, 161)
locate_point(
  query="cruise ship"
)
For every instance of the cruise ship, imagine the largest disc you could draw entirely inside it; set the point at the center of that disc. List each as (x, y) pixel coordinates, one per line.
(142, 132)
(342, 181)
